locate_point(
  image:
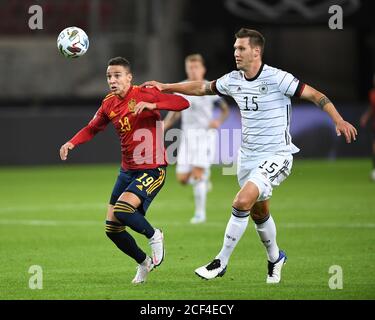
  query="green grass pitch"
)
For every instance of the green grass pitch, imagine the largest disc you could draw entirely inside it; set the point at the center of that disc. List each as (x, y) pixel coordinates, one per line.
(53, 217)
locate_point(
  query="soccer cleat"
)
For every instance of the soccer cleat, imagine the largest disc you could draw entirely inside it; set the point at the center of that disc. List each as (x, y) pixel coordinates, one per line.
(274, 269)
(143, 270)
(197, 219)
(212, 270)
(157, 247)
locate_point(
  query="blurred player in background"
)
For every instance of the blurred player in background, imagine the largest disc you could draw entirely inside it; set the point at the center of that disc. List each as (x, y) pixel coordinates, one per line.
(370, 114)
(197, 148)
(142, 170)
(265, 158)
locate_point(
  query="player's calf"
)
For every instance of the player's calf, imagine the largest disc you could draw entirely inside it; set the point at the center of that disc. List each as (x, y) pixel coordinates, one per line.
(124, 241)
(128, 215)
(260, 211)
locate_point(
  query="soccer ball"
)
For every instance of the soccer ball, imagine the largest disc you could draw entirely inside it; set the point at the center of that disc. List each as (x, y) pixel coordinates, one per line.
(72, 42)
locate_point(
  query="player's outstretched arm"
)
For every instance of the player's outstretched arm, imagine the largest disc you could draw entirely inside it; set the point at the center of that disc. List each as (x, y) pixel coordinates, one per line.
(191, 88)
(82, 136)
(163, 101)
(98, 123)
(319, 99)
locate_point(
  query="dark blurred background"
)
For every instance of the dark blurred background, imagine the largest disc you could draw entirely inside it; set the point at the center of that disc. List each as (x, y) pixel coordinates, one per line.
(45, 98)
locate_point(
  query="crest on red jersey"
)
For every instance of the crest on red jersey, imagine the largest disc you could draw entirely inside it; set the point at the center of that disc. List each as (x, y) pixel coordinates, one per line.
(131, 104)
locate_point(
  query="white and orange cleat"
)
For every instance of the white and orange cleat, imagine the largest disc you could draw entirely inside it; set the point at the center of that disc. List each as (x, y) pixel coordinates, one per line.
(157, 247)
(143, 270)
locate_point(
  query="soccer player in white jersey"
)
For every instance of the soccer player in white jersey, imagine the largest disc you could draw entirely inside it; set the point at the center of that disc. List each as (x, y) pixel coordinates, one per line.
(196, 150)
(265, 158)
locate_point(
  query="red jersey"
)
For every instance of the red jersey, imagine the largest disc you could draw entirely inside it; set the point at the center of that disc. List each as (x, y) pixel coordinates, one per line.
(142, 135)
(371, 98)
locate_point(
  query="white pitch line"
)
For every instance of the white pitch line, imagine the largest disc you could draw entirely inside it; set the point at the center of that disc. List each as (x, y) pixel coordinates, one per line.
(48, 223)
(293, 225)
(73, 207)
(182, 224)
(55, 207)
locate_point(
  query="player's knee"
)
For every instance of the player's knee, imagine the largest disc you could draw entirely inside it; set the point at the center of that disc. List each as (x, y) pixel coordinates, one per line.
(122, 210)
(113, 229)
(260, 211)
(242, 202)
(197, 176)
(183, 179)
(259, 216)
(246, 197)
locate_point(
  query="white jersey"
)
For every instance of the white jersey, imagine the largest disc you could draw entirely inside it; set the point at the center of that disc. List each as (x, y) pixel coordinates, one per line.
(200, 113)
(265, 106)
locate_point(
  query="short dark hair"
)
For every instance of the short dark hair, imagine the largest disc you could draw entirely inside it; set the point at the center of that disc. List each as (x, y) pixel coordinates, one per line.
(256, 39)
(194, 57)
(120, 61)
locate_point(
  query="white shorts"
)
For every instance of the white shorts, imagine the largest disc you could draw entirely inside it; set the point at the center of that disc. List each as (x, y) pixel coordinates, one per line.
(197, 149)
(266, 173)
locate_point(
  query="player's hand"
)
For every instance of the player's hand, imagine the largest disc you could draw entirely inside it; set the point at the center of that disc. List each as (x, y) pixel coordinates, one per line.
(144, 105)
(215, 124)
(345, 128)
(160, 86)
(64, 150)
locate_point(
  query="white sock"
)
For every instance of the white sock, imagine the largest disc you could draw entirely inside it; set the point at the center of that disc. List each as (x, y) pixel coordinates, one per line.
(235, 229)
(207, 174)
(200, 195)
(267, 234)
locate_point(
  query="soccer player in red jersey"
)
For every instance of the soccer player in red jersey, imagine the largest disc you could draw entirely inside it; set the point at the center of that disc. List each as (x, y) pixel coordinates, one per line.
(134, 112)
(370, 114)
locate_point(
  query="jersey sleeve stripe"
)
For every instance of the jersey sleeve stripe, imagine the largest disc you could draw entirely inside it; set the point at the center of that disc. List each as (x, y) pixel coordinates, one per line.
(289, 85)
(282, 79)
(108, 96)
